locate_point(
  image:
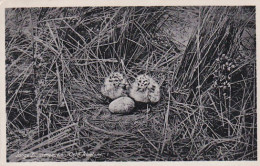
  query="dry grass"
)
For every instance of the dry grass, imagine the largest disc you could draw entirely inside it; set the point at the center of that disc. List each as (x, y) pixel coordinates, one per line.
(57, 58)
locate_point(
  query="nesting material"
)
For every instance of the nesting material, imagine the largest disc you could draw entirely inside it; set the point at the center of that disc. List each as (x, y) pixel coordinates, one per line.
(122, 105)
(115, 86)
(145, 89)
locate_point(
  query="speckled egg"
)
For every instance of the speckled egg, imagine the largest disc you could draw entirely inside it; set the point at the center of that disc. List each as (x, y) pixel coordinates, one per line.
(122, 105)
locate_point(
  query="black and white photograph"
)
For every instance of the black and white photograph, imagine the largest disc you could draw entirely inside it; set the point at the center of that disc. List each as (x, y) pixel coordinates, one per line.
(130, 83)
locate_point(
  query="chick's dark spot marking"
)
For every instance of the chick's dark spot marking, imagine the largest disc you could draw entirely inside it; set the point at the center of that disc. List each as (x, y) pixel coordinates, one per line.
(153, 88)
(124, 87)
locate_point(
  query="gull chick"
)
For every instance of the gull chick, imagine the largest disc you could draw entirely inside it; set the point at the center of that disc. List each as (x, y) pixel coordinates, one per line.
(145, 89)
(115, 86)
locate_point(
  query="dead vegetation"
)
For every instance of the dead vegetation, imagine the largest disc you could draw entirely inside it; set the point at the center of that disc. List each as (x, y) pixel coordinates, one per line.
(57, 59)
